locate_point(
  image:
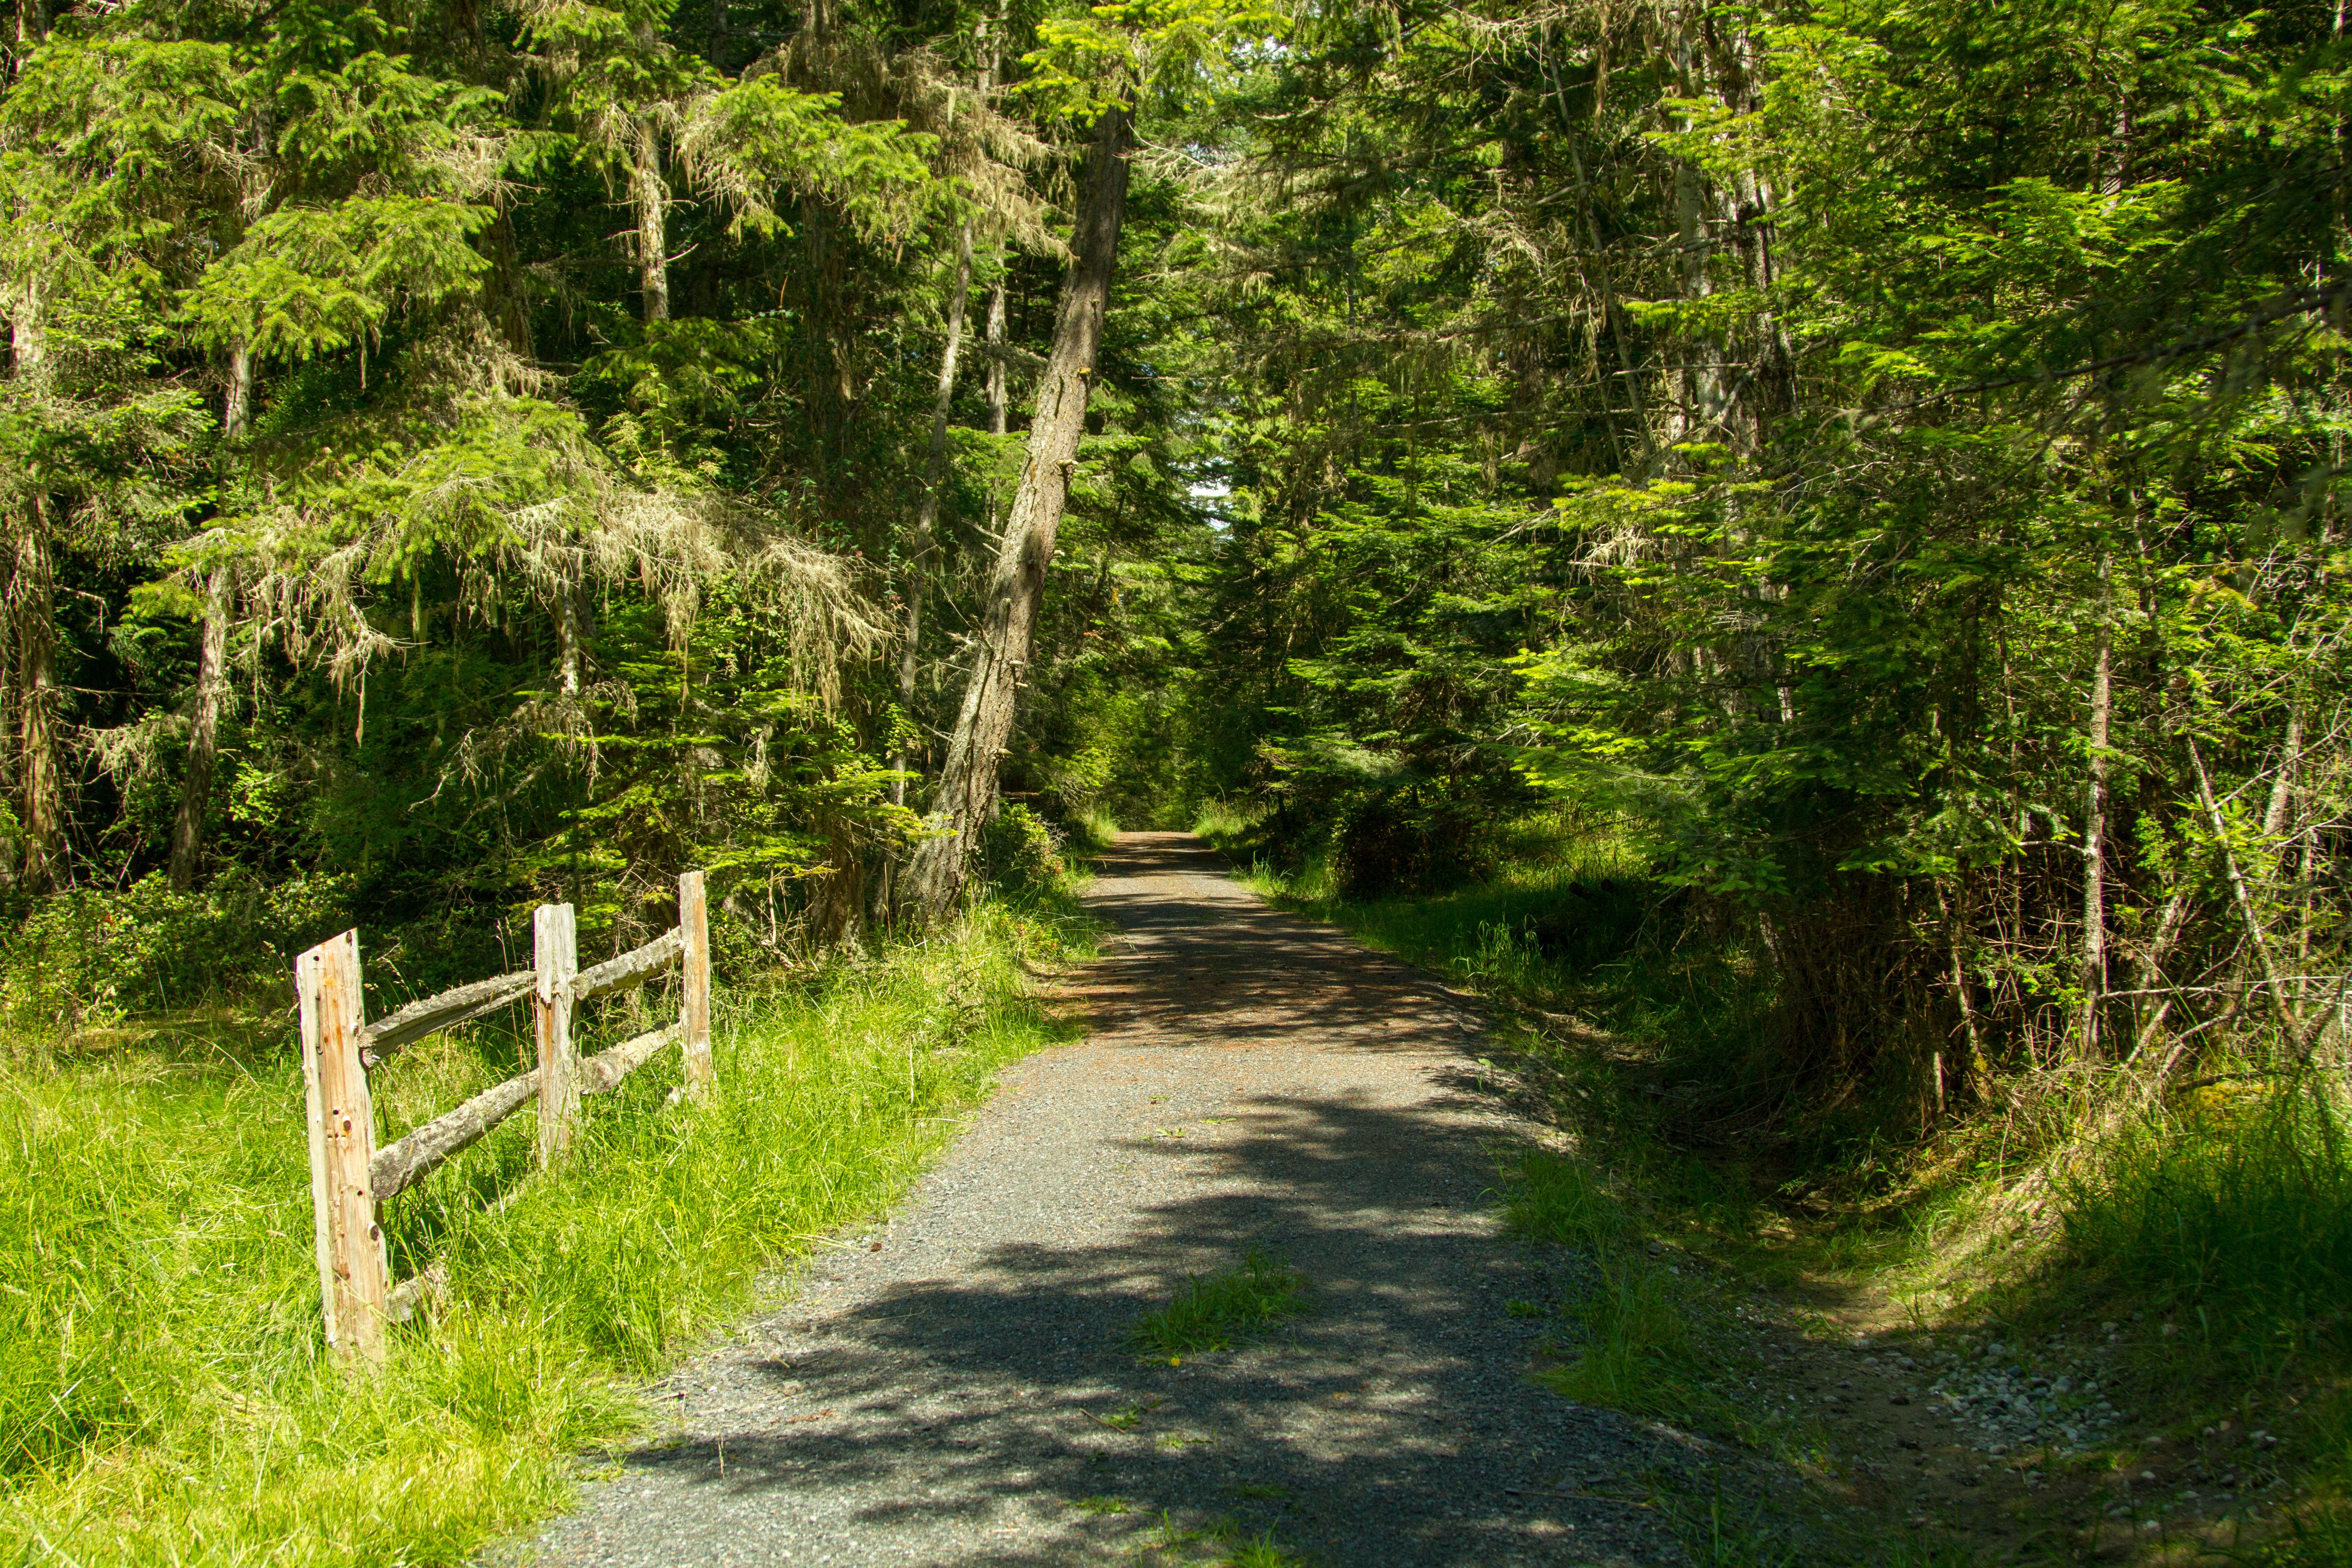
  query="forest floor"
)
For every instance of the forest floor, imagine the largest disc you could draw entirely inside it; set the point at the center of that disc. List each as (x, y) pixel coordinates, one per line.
(1261, 1099)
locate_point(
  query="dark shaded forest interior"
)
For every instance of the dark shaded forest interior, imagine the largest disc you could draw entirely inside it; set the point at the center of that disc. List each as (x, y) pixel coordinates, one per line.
(1800, 549)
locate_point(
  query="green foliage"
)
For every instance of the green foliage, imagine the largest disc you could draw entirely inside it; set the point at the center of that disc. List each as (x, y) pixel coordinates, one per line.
(91, 956)
(1019, 853)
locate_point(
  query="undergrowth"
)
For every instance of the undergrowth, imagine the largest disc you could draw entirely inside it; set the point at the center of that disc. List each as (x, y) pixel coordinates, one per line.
(163, 1390)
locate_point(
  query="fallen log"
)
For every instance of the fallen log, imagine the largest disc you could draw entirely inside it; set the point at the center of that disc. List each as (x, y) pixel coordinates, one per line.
(632, 968)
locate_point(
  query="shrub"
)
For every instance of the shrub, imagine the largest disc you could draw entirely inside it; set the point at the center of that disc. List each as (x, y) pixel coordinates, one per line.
(90, 955)
(1405, 842)
(1020, 852)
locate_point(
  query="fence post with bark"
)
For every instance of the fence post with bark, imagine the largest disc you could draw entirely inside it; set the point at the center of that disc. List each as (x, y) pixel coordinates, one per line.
(351, 1178)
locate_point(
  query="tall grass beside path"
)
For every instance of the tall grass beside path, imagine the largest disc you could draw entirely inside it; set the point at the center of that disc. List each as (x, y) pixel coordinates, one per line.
(163, 1391)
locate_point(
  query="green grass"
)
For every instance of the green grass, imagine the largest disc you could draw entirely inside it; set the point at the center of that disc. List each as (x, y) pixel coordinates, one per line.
(1091, 831)
(1262, 1551)
(1210, 1312)
(1222, 822)
(1550, 1197)
(2234, 1217)
(1637, 1352)
(162, 1391)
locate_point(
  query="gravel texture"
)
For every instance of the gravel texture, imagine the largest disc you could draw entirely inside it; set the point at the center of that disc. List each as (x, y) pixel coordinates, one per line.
(956, 1385)
(2005, 1395)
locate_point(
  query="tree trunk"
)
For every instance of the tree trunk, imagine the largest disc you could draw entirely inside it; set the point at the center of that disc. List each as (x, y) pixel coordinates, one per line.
(927, 508)
(212, 657)
(996, 398)
(967, 789)
(203, 729)
(570, 636)
(36, 695)
(2095, 821)
(2256, 936)
(237, 398)
(651, 198)
(33, 625)
(996, 382)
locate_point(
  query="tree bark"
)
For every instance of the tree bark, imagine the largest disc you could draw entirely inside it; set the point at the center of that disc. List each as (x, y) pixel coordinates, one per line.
(571, 656)
(212, 657)
(651, 198)
(967, 788)
(996, 397)
(37, 697)
(927, 508)
(33, 622)
(2094, 820)
(203, 729)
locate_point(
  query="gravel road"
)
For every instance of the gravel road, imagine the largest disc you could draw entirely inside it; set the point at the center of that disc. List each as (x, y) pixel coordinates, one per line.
(955, 1386)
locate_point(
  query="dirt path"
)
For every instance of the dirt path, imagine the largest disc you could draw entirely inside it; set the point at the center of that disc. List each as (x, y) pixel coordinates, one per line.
(956, 1387)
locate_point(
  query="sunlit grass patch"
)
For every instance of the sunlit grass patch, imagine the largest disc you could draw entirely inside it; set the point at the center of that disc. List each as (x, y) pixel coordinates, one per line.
(1092, 830)
(1221, 821)
(1210, 1312)
(1262, 1551)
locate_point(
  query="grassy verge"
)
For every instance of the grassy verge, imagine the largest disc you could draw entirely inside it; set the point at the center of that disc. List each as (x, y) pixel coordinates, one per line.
(2198, 1246)
(163, 1397)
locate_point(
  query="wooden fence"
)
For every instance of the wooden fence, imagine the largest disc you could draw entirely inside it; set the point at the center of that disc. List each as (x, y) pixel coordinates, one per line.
(349, 1175)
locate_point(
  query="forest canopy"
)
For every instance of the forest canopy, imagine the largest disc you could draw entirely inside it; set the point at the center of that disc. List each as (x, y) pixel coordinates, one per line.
(1882, 462)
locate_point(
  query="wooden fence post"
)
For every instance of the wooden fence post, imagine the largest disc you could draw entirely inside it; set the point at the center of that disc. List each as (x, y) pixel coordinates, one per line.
(694, 990)
(555, 958)
(353, 1282)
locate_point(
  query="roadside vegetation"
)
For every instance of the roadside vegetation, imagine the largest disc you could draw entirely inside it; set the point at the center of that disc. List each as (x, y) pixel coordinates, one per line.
(163, 1391)
(2197, 1235)
(1210, 1312)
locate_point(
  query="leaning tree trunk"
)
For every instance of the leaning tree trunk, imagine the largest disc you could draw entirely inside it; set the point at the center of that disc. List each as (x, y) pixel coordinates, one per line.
(927, 509)
(966, 797)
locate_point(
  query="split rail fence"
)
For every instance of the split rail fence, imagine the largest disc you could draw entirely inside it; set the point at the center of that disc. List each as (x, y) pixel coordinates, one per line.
(349, 1176)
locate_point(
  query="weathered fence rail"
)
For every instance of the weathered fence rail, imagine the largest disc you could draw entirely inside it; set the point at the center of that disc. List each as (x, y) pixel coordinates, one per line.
(349, 1176)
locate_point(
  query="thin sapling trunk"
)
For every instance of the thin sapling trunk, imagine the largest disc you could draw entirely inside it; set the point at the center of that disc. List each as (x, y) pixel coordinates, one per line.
(2094, 818)
(927, 508)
